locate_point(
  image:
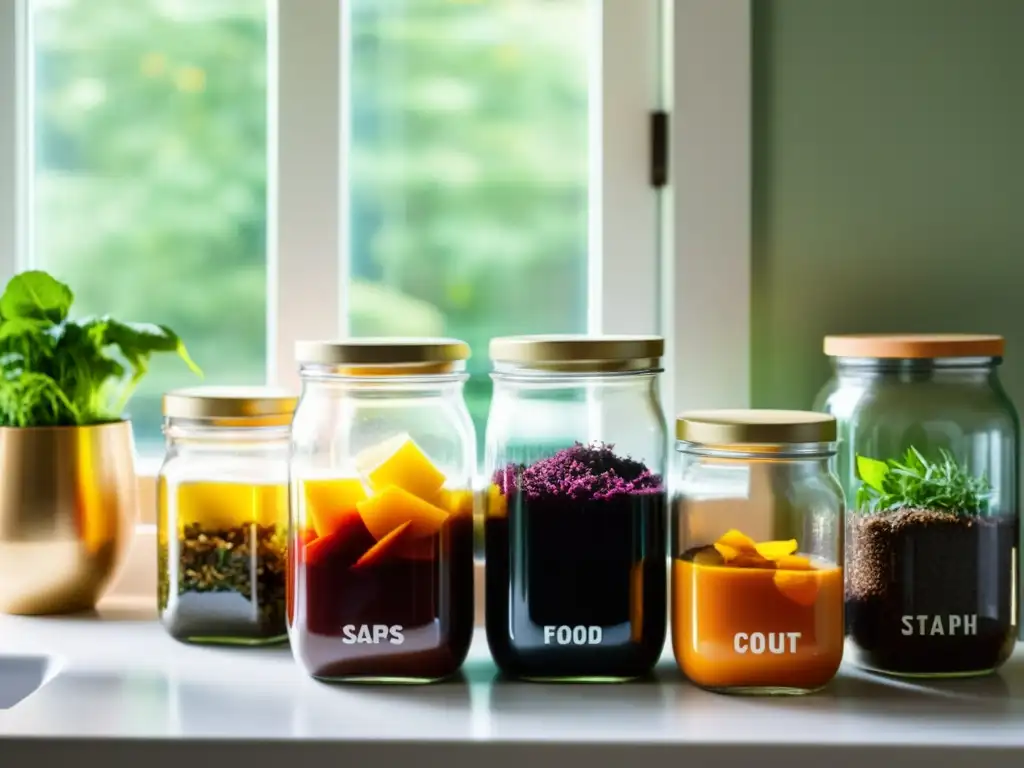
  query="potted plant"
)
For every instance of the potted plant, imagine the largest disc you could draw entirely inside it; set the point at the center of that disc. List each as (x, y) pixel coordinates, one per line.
(67, 468)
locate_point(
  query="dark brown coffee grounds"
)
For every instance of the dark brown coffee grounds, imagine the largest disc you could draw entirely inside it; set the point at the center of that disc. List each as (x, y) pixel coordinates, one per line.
(930, 592)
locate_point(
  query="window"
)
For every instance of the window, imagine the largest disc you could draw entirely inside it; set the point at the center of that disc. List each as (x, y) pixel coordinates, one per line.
(467, 182)
(253, 172)
(148, 194)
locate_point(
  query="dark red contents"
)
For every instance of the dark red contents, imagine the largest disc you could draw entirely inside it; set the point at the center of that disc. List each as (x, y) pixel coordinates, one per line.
(402, 612)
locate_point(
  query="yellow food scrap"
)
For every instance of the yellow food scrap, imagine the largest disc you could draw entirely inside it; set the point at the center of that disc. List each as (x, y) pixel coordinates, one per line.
(385, 511)
(728, 553)
(409, 469)
(497, 504)
(455, 502)
(327, 501)
(773, 550)
(750, 560)
(370, 458)
(794, 563)
(738, 541)
(740, 551)
(801, 588)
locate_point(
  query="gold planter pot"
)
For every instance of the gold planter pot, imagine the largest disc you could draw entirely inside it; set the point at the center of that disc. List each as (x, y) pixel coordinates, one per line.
(67, 513)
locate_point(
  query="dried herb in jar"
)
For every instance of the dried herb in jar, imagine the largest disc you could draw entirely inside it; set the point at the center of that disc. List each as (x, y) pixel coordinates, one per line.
(230, 581)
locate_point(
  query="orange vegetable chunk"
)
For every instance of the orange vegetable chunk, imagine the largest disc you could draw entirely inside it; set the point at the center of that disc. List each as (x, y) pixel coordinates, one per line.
(387, 510)
(801, 588)
(737, 540)
(406, 467)
(728, 553)
(328, 501)
(794, 563)
(750, 560)
(370, 458)
(343, 546)
(456, 502)
(385, 548)
(773, 550)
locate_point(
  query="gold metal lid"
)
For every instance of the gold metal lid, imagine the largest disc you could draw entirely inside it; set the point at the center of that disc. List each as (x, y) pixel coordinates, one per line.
(379, 356)
(580, 352)
(231, 406)
(914, 346)
(760, 426)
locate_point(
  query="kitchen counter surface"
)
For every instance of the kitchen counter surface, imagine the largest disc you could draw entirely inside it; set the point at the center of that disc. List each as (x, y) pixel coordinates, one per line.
(118, 688)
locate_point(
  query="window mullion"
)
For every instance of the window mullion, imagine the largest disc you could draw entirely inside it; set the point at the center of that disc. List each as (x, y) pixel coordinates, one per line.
(708, 309)
(306, 144)
(15, 147)
(623, 237)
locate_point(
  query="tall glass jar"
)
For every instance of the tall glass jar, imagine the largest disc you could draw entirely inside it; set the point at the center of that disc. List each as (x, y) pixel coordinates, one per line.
(381, 566)
(575, 524)
(928, 458)
(223, 515)
(757, 577)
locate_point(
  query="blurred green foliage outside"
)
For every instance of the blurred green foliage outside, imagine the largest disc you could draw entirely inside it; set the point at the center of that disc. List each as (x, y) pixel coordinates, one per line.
(468, 173)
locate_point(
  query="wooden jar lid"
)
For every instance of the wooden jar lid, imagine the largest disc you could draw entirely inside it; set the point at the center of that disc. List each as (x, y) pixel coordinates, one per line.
(915, 346)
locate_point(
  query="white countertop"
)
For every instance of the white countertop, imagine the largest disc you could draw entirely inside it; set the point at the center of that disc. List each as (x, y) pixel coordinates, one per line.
(119, 682)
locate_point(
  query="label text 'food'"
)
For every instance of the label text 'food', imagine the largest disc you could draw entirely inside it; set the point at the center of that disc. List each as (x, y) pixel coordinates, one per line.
(565, 635)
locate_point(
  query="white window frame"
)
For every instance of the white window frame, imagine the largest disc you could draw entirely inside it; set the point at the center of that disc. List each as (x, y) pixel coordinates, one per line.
(674, 261)
(687, 277)
(707, 265)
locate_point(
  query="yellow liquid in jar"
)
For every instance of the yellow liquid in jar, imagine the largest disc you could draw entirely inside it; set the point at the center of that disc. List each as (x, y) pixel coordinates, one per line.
(222, 551)
(217, 506)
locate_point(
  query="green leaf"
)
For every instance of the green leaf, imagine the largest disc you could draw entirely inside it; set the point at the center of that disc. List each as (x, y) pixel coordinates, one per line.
(872, 472)
(137, 341)
(916, 482)
(22, 326)
(35, 295)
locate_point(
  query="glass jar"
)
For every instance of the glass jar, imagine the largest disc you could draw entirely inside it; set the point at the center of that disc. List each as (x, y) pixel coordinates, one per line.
(928, 460)
(757, 577)
(383, 453)
(574, 535)
(223, 515)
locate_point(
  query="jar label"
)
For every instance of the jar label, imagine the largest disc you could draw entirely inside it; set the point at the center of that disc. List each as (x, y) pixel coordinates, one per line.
(923, 625)
(372, 634)
(757, 643)
(578, 635)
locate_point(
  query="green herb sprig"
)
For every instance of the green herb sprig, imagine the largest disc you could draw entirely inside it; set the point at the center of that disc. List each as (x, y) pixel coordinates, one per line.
(55, 371)
(918, 483)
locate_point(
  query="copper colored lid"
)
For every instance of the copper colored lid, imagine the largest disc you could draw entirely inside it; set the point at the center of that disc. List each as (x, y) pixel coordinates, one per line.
(913, 346)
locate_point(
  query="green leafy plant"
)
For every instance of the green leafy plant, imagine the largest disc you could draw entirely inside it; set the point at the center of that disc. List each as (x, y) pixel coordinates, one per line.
(918, 483)
(55, 371)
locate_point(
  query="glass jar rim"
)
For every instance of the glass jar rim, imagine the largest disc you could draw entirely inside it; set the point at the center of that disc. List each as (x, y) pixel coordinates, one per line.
(422, 374)
(884, 364)
(760, 451)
